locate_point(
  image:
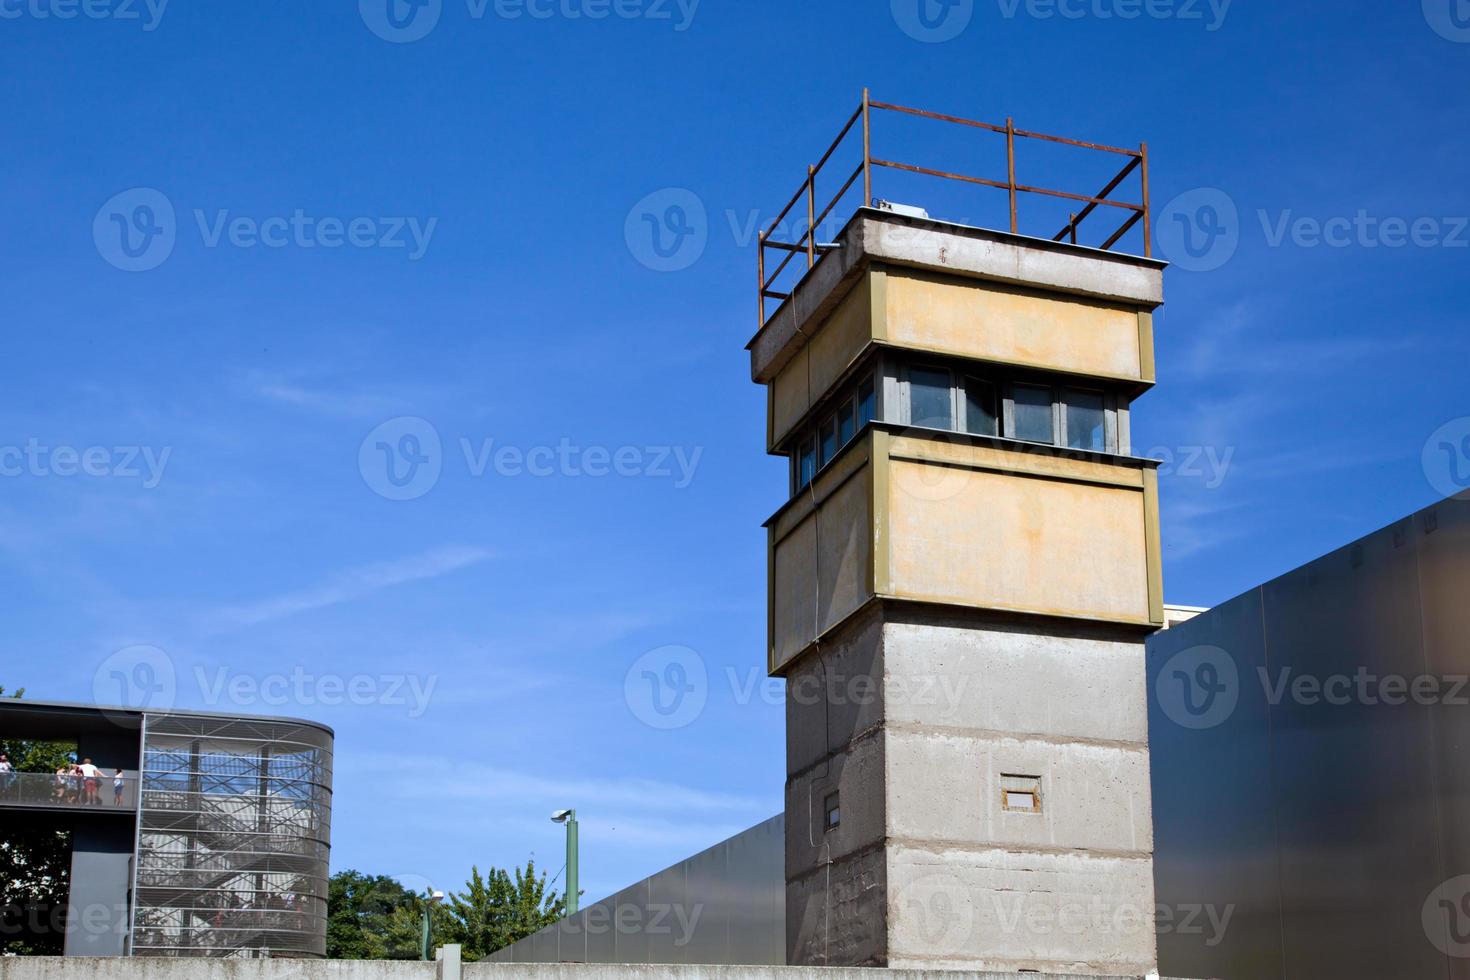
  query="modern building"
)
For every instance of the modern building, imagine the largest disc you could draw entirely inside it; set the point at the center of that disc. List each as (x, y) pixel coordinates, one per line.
(213, 841)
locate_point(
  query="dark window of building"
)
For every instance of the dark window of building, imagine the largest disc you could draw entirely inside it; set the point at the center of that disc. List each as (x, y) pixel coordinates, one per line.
(833, 810)
(981, 415)
(808, 463)
(1087, 421)
(1034, 420)
(930, 398)
(828, 437)
(866, 403)
(845, 427)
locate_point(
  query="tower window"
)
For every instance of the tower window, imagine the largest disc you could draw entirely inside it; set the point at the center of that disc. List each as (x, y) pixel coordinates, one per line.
(931, 398)
(1034, 417)
(832, 810)
(845, 428)
(866, 403)
(1087, 421)
(981, 415)
(828, 436)
(806, 463)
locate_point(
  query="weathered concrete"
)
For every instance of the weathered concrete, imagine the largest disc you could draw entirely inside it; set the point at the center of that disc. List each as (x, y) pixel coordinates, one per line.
(996, 256)
(913, 715)
(103, 968)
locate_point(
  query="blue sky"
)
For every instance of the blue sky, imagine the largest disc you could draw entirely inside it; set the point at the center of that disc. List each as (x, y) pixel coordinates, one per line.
(453, 225)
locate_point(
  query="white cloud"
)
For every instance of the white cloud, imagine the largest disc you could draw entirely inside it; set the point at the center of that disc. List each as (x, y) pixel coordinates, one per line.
(348, 586)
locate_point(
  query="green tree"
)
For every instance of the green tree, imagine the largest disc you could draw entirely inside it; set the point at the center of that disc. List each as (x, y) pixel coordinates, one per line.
(496, 910)
(35, 861)
(359, 909)
(375, 918)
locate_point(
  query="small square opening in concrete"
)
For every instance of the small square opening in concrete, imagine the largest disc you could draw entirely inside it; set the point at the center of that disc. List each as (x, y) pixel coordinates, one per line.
(1020, 794)
(833, 809)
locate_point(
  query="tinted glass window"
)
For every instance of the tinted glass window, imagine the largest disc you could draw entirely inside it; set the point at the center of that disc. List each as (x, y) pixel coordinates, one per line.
(829, 440)
(1033, 414)
(929, 398)
(1086, 421)
(865, 402)
(808, 464)
(980, 414)
(844, 422)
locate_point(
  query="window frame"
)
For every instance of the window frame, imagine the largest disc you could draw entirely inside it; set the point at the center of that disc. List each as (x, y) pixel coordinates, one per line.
(962, 396)
(906, 393)
(1109, 418)
(1010, 411)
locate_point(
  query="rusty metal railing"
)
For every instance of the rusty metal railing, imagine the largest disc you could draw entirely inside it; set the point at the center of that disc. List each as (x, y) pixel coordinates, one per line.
(808, 246)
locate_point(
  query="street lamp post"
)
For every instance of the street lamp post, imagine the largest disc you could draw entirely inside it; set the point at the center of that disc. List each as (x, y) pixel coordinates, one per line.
(569, 817)
(433, 899)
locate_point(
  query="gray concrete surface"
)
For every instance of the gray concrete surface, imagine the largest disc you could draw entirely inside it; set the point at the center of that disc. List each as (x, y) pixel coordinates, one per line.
(880, 236)
(915, 717)
(99, 968)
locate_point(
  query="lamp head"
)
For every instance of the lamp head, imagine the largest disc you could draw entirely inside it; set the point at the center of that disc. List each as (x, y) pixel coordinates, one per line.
(562, 816)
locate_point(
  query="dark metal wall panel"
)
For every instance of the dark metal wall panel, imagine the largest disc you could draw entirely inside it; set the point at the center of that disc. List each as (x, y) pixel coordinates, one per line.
(725, 905)
(1351, 664)
(1214, 831)
(1354, 796)
(1444, 561)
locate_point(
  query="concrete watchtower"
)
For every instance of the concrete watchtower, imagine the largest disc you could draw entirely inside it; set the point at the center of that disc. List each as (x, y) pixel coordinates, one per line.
(962, 580)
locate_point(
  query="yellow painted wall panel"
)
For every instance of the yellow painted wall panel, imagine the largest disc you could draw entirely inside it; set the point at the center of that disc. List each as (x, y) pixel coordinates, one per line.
(845, 519)
(793, 598)
(834, 345)
(1017, 542)
(946, 315)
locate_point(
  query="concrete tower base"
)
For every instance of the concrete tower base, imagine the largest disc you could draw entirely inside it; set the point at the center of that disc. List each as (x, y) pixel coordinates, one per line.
(990, 782)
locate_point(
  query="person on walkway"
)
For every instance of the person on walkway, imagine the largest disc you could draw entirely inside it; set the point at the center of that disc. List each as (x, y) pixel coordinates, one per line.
(118, 782)
(7, 774)
(91, 776)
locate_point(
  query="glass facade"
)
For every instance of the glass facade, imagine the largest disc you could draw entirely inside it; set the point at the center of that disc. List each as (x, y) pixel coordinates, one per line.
(233, 838)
